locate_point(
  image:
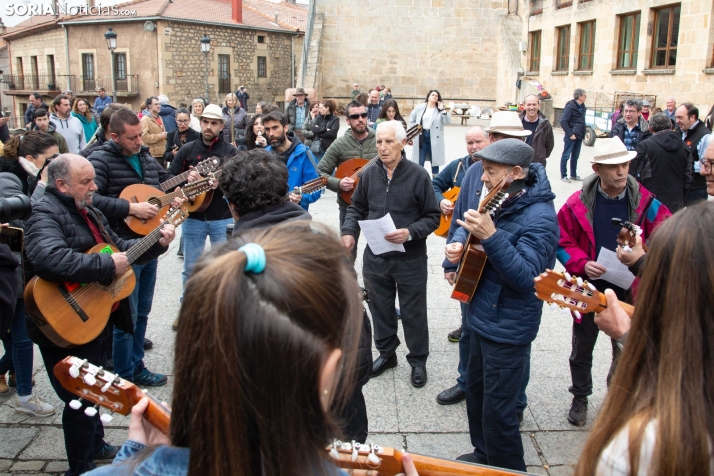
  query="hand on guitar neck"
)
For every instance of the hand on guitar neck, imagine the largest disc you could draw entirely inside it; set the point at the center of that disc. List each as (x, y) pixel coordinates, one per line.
(194, 176)
(478, 224)
(147, 210)
(141, 431)
(613, 321)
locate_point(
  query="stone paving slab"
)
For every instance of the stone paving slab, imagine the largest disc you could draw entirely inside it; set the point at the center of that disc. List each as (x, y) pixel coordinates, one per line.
(400, 415)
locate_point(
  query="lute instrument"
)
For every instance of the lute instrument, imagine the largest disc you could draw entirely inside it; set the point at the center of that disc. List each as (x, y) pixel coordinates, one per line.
(71, 314)
(574, 293)
(194, 192)
(473, 260)
(102, 388)
(354, 168)
(376, 460)
(313, 185)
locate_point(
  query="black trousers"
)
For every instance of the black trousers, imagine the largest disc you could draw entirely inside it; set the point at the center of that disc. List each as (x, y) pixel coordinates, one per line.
(354, 416)
(353, 254)
(581, 356)
(385, 279)
(83, 435)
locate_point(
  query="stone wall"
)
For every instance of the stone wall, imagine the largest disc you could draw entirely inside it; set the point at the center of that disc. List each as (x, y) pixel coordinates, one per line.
(691, 79)
(412, 46)
(182, 64)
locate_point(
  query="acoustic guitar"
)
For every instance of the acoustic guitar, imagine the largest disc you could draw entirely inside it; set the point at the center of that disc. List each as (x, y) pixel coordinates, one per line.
(204, 167)
(451, 195)
(473, 260)
(312, 186)
(374, 459)
(194, 192)
(570, 292)
(102, 388)
(71, 314)
(354, 168)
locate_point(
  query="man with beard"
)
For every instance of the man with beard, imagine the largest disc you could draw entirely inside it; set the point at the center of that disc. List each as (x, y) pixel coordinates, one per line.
(63, 226)
(210, 223)
(358, 142)
(118, 163)
(293, 154)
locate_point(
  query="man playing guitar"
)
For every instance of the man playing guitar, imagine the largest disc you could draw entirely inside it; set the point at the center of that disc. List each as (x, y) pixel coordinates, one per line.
(504, 314)
(64, 225)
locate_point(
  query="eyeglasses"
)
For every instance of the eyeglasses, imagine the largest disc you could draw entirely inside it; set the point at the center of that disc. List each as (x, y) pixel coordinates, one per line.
(354, 117)
(706, 165)
(182, 121)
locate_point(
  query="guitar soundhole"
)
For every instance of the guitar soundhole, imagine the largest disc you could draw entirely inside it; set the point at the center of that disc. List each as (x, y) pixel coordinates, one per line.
(155, 201)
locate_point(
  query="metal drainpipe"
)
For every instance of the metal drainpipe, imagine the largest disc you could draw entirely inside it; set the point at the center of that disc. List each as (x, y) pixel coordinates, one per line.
(292, 61)
(66, 54)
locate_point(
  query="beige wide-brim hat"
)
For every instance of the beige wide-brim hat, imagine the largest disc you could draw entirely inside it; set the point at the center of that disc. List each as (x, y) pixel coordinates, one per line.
(212, 111)
(611, 152)
(507, 123)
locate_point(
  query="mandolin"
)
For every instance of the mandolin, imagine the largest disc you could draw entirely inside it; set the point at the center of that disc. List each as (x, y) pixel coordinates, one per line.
(102, 388)
(377, 460)
(195, 192)
(473, 260)
(71, 314)
(313, 185)
(354, 168)
(576, 294)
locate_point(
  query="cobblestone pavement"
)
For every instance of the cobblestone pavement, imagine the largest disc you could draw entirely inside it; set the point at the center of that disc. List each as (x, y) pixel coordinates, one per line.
(399, 414)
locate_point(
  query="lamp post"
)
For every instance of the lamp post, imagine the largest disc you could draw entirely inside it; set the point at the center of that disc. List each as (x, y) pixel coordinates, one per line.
(205, 49)
(111, 38)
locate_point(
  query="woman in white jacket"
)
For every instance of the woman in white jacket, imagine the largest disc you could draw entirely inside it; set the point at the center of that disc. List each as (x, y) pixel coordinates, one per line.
(430, 145)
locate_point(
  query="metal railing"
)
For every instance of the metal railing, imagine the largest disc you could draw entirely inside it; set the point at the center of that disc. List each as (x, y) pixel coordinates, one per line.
(30, 82)
(126, 86)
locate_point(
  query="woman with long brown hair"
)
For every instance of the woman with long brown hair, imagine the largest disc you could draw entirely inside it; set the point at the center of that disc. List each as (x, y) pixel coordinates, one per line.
(658, 417)
(266, 344)
(83, 112)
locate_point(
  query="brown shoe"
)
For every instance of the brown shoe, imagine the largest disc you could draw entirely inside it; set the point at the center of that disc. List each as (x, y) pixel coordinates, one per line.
(12, 381)
(3, 385)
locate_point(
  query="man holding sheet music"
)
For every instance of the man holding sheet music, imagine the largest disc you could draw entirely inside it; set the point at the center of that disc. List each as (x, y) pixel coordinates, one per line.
(402, 190)
(588, 239)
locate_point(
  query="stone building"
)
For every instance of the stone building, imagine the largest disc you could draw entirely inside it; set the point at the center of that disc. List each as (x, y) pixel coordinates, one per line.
(256, 43)
(649, 47)
(467, 49)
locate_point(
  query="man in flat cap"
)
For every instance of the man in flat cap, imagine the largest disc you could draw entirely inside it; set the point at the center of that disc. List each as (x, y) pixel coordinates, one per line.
(520, 240)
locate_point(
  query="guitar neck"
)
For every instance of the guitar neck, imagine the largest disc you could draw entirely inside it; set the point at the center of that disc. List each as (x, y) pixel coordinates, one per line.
(176, 181)
(133, 253)
(359, 173)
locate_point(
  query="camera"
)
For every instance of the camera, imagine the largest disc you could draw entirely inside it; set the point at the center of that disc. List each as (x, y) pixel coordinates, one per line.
(15, 208)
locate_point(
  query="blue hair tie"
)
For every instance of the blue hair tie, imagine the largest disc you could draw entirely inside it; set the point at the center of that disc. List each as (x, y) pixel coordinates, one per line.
(255, 258)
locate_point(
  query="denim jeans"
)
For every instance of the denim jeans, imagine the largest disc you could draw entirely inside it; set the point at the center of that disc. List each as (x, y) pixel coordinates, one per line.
(194, 234)
(493, 385)
(128, 350)
(425, 151)
(18, 352)
(571, 149)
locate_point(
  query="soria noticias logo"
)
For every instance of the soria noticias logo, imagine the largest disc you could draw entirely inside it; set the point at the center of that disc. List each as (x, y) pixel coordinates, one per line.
(34, 8)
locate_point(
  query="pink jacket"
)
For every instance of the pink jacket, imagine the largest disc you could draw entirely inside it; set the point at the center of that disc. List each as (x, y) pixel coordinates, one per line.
(577, 239)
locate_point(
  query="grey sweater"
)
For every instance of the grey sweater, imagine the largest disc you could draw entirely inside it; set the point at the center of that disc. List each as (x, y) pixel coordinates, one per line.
(408, 197)
(72, 131)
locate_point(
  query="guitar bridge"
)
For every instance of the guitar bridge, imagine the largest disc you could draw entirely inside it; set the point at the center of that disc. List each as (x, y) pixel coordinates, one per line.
(73, 302)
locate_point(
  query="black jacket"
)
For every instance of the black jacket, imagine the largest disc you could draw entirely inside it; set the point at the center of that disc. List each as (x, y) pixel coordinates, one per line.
(191, 154)
(271, 215)
(408, 197)
(663, 165)
(56, 239)
(320, 126)
(691, 139)
(173, 139)
(99, 140)
(114, 174)
(573, 121)
(4, 131)
(542, 140)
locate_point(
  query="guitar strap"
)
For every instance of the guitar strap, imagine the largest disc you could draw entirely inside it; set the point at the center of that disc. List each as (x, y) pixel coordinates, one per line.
(98, 222)
(457, 170)
(312, 159)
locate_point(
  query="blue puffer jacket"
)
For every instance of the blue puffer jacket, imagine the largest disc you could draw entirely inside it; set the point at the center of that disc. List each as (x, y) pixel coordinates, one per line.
(573, 119)
(504, 308)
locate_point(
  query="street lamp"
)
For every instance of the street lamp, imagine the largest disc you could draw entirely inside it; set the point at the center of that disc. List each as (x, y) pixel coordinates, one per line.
(111, 38)
(205, 49)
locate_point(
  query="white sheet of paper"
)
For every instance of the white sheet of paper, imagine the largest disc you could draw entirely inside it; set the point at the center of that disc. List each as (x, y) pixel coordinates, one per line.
(617, 273)
(374, 231)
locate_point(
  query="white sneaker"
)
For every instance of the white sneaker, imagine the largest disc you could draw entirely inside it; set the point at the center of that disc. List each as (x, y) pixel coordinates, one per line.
(35, 406)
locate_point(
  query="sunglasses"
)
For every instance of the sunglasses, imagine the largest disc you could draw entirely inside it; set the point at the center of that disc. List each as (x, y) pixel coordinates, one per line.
(357, 116)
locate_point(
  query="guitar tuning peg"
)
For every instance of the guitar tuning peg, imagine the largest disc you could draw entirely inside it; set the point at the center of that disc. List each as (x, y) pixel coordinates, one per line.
(333, 453)
(89, 379)
(577, 314)
(107, 385)
(590, 286)
(74, 371)
(355, 453)
(554, 306)
(579, 280)
(568, 277)
(106, 418)
(75, 404)
(90, 411)
(566, 311)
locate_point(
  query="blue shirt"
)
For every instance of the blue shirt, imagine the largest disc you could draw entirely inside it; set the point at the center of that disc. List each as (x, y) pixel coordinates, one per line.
(632, 137)
(100, 104)
(299, 116)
